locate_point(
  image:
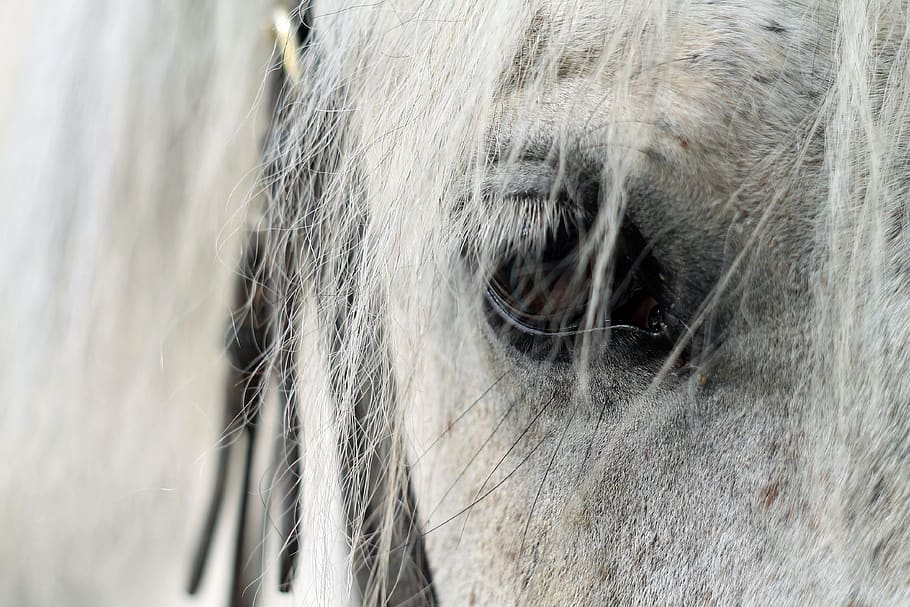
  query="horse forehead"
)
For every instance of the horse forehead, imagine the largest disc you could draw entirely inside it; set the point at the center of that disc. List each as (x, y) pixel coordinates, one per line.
(589, 27)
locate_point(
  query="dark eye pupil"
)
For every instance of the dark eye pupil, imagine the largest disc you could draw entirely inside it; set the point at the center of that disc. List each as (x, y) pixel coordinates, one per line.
(549, 297)
(549, 292)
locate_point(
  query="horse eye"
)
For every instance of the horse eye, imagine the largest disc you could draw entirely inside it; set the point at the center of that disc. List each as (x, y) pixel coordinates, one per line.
(539, 297)
(548, 293)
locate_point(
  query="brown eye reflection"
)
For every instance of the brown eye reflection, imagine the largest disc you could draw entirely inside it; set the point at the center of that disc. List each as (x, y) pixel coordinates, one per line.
(549, 292)
(542, 296)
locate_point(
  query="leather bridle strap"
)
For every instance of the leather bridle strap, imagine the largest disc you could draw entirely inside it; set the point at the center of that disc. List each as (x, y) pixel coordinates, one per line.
(251, 345)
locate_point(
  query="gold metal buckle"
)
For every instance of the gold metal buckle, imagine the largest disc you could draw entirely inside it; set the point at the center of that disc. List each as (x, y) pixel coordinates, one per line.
(286, 43)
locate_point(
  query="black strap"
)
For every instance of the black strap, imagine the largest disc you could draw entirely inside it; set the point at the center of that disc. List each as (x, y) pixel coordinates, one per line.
(251, 346)
(249, 342)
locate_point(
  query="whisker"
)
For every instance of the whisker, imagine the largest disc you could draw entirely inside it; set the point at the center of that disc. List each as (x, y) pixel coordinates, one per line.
(491, 490)
(461, 416)
(543, 481)
(503, 458)
(474, 457)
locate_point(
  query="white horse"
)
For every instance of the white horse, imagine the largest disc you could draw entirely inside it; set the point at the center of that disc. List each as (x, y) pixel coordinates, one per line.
(531, 303)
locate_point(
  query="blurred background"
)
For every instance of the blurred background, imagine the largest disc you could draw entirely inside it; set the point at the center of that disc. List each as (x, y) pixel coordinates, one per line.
(129, 149)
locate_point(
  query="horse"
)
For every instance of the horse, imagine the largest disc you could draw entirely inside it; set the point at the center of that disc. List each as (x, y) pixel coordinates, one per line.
(458, 303)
